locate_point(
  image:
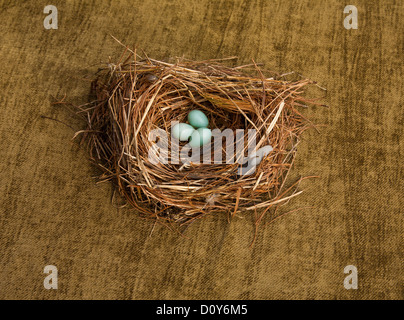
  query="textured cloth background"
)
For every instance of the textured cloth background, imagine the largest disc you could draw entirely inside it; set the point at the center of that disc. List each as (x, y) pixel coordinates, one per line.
(52, 212)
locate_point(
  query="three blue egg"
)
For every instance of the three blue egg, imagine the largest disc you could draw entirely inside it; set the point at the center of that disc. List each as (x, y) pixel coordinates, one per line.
(197, 137)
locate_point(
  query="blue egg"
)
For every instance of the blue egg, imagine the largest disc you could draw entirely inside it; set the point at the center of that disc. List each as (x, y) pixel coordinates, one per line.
(198, 119)
(200, 137)
(182, 131)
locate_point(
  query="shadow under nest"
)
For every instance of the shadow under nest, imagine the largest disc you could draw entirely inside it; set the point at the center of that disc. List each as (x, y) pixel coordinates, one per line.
(138, 96)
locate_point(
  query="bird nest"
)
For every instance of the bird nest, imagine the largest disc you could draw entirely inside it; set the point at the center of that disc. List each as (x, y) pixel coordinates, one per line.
(138, 100)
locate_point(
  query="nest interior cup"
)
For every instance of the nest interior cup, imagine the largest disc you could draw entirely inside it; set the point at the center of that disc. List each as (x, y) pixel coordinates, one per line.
(139, 97)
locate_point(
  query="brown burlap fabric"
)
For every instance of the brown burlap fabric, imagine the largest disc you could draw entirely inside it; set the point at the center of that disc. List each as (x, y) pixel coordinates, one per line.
(52, 212)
